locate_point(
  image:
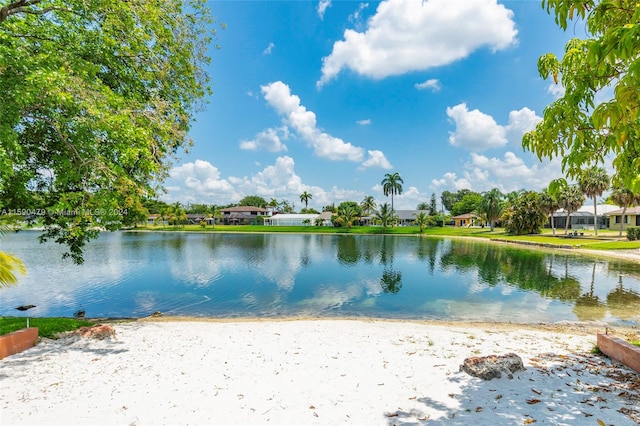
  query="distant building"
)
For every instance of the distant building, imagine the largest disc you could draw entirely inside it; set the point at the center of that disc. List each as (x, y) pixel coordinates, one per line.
(583, 218)
(631, 218)
(291, 219)
(467, 219)
(243, 215)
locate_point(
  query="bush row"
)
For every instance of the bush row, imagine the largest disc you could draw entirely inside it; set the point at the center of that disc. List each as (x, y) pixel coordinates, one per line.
(633, 233)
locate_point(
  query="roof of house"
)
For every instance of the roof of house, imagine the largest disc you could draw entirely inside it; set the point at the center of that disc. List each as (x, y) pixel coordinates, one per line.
(291, 216)
(466, 216)
(241, 209)
(630, 211)
(409, 214)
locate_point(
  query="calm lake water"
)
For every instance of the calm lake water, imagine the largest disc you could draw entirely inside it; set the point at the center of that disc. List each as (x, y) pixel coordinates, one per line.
(271, 275)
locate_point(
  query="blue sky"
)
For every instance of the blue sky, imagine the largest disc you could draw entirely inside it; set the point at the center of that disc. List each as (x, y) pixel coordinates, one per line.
(329, 96)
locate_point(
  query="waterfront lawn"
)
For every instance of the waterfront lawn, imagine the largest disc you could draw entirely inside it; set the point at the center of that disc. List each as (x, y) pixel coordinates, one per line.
(47, 327)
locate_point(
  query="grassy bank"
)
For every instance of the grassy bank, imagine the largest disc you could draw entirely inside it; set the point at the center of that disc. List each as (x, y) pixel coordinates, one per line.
(47, 327)
(605, 240)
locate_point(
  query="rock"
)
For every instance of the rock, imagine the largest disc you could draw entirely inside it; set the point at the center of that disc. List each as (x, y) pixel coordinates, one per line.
(492, 366)
(98, 331)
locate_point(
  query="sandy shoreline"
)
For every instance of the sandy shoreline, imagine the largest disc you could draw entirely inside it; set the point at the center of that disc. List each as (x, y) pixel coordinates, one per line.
(321, 372)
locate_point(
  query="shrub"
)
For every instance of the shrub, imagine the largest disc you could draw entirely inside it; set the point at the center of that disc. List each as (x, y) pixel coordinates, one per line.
(633, 233)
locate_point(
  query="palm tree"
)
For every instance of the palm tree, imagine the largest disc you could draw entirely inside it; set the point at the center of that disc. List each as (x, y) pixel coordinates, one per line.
(422, 220)
(305, 197)
(570, 199)
(392, 184)
(9, 264)
(368, 205)
(385, 215)
(624, 198)
(593, 182)
(347, 215)
(422, 206)
(492, 206)
(549, 204)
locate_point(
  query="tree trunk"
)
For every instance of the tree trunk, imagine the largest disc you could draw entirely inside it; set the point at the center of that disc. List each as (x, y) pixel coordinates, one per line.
(595, 216)
(624, 209)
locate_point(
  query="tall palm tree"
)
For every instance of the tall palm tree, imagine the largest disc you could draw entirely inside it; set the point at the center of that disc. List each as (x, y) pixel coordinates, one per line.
(368, 205)
(570, 199)
(392, 184)
(593, 182)
(385, 215)
(492, 206)
(305, 197)
(624, 198)
(549, 204)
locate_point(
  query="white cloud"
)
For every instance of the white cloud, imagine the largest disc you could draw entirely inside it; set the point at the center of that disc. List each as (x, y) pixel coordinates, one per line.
(269, 49)
(474, 129)
(269, 139)
(557, 90)
(199, 179)
(303, 122)
(477, 131)
(364, 122)
(520, 122)
(355, 16)
(377, 159)
(510, 173)
(412, 35)
(200, 182)
(431, 84)
(323, 5)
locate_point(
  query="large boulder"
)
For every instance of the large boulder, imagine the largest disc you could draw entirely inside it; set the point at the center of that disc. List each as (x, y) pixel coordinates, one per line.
(492, 366)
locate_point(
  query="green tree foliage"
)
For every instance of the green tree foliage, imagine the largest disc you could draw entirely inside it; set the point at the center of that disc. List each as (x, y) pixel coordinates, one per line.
(422, 206)
(469, 203)
(348, 213)
(385, 215)
(422, 220)
(433, 209)
(449, 199)
(491, 205)
(549, 204)
(253, 201)
(98, 96)
(392, 185)
(525, 215)
(10, 265)
(570, 198)
(593, 182)
(575, 127)
(368, 205)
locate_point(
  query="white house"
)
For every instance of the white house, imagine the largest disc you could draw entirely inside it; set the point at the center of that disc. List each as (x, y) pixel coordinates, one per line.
(291, 219)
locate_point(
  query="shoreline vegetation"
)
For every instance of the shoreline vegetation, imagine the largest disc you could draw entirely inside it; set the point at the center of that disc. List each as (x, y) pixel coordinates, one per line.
(607, 243)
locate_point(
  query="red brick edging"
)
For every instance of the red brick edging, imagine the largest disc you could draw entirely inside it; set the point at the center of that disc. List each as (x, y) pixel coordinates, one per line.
(18, 341)
(620, 350)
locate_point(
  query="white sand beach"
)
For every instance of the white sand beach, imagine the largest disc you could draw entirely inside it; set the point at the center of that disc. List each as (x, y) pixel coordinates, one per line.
(315, 372)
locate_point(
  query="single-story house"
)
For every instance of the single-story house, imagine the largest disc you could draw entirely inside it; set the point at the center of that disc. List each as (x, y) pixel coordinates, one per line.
(243, 215)
(291, 219)
(467, 219)
(583, 217)
(631, 217)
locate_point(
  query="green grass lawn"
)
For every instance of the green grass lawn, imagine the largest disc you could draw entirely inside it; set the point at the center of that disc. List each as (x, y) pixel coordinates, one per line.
(47, 327)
